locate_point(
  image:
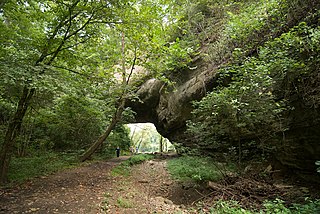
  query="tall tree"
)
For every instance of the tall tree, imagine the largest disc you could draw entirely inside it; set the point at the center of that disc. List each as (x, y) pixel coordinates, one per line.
(95, 41)
(37, 37)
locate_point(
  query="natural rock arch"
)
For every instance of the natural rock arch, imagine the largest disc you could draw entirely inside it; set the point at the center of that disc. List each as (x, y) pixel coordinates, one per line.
(168, 108)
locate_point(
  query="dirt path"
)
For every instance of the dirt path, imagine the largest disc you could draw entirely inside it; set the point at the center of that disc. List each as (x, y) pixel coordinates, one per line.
(78, 190)
(92, 189)
(148, 189)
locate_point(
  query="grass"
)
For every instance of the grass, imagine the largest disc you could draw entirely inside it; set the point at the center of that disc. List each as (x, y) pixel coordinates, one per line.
(197, 169)
(22, 169)
(124, 203)
(123, 169)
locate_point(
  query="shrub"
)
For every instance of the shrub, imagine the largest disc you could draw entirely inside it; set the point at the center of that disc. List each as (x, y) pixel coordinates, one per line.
(194, 168)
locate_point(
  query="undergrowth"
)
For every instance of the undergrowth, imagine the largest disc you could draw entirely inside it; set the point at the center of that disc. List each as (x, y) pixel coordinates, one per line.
(123, 169)
(24, 168)
(269, 207)
(124, 203)
(197, 169)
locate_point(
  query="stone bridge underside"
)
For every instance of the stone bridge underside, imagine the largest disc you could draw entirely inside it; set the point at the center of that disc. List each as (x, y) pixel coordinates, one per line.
(169, 107)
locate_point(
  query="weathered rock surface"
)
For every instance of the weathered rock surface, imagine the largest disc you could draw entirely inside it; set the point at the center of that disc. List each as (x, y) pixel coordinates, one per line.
(168, 107)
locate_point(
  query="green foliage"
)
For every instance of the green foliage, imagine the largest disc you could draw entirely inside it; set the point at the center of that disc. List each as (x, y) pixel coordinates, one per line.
(311, 206)
(124, 168)
(251, 106)
(71, 53)
(75, 122)
(146, 138)
(22, 169)
(119, 137)
(197, 169)
(245, 109)
(238, 24)
(293, 58)
(228, 207)
(276, 206)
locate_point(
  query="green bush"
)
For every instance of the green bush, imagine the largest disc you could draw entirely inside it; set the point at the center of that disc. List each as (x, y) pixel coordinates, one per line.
(312, 206)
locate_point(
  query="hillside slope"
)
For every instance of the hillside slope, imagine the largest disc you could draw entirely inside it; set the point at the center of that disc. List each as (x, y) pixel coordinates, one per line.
(257, 66)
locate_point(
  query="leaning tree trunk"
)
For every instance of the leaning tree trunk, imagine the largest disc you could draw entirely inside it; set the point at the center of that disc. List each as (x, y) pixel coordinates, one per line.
(117, 115)
(104, 136)
(12, 131)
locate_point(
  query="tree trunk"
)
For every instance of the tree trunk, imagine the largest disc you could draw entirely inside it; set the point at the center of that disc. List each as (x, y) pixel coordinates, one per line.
(12, 132)
(104, 136)
(161, 144)
(117, 115)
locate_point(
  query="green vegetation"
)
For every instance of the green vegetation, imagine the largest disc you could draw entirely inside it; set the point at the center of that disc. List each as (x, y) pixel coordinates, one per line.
(26, 168)
(125, 203)
(137, 159)
(105, 203)
(67, 68)
(197, 169)
(276, 206)
(245, 115)
(124, 168)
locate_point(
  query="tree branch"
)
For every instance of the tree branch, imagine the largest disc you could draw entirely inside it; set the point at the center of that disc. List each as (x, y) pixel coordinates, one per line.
(133, 64)
(107, 22)
(81, 28)
(68, 36)
(55, 32)
(67, 69)
(71, 46)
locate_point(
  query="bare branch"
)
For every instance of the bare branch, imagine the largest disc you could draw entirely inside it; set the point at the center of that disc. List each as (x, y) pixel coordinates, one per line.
(67, 69)
(133, 64)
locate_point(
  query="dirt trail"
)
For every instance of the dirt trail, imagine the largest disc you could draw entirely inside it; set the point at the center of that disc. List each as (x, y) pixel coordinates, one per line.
(92, 189)
(78, 190)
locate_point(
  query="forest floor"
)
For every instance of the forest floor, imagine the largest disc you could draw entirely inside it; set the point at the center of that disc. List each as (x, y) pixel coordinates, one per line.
(148, 189)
